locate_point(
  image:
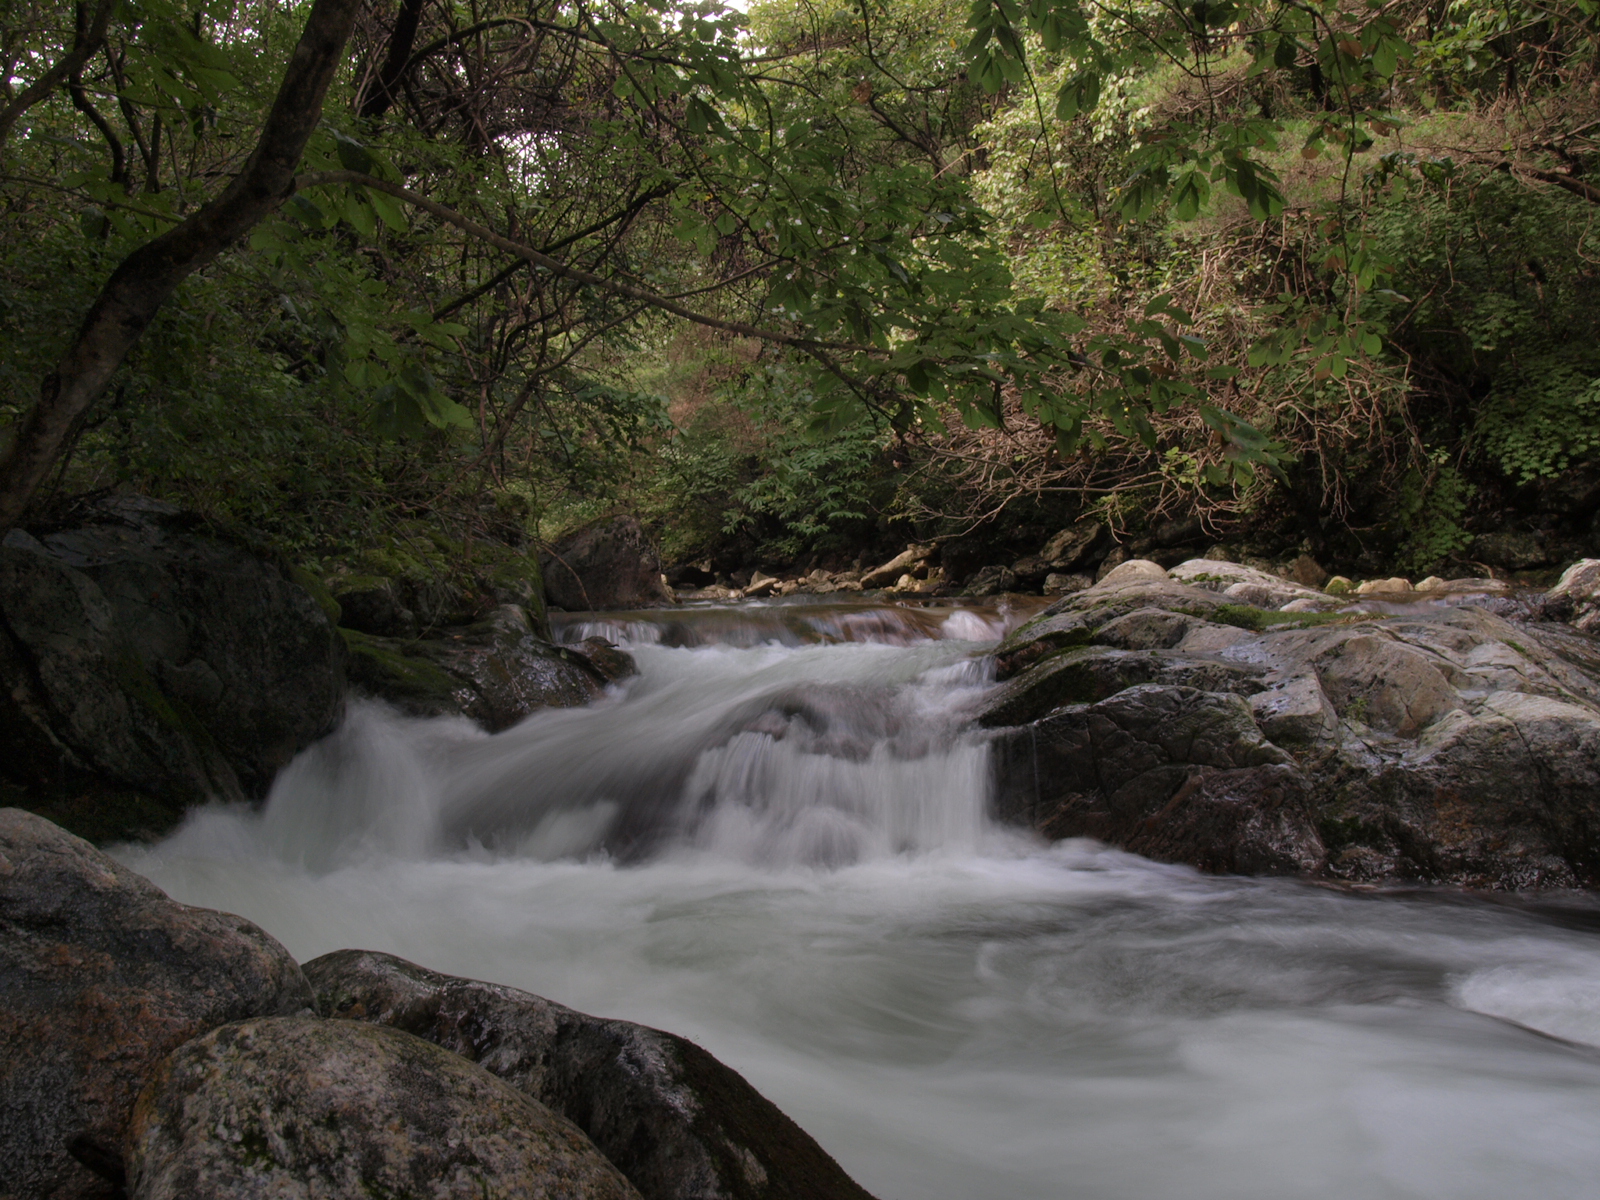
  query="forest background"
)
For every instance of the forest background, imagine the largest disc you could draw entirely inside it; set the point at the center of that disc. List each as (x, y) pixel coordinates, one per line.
(805, 283)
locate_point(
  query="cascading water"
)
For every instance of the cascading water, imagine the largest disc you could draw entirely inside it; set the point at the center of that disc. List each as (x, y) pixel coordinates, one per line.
(773, 841)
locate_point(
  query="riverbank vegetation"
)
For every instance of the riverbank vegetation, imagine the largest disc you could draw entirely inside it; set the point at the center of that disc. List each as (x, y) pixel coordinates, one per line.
(822, 278)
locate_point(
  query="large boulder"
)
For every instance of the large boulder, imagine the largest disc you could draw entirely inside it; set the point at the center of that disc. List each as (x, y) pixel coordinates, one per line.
(297, 1108)
(139, 648)
(101, 975)
(1167, 771)
(1244, 585)
(495, 671)
(677, 1122)
(1576, 596)
(604, 566)
(1445, 744)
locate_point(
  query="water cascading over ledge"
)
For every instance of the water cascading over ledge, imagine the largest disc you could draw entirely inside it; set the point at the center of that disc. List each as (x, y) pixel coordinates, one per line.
(771, 842)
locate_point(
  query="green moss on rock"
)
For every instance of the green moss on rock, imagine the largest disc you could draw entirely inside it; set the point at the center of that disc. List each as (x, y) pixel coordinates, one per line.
(388, 667)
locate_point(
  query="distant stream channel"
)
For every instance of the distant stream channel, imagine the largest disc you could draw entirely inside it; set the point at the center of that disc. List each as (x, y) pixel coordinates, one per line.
(774, 842)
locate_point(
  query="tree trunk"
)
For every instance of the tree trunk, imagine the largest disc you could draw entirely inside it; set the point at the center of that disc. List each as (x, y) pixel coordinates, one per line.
(384, 89)
(141, 284)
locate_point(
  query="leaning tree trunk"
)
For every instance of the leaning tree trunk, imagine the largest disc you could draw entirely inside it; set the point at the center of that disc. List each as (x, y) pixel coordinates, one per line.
(144, 280)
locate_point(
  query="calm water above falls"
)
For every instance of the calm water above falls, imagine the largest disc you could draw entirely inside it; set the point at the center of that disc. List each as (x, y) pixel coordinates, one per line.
(773, 842)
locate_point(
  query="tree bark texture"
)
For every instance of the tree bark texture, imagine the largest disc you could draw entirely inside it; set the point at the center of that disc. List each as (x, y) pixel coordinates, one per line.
(147, 277)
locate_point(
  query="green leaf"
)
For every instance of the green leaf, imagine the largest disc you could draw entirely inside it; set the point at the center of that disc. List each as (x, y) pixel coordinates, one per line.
(387, 208)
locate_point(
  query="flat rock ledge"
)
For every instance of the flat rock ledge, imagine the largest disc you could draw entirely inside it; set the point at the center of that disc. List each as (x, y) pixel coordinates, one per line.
(1200, 717)
(156, 1051)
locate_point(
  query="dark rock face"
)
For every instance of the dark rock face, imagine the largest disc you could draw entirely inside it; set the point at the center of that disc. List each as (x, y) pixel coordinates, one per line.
(1172, 773)
(329, 1110)
(1088, 673)
(1072, 548)
(101, 975)
(372, 604)
(495, 672)
(1515, 551)
(606, 565)
(1446, 744)
(675, 1121)
(140, 650)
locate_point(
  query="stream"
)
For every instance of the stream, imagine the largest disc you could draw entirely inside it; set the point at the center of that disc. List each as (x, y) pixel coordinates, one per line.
(773, 841)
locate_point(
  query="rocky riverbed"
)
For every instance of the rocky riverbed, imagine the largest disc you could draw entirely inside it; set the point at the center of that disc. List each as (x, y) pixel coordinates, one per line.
(152, 1049)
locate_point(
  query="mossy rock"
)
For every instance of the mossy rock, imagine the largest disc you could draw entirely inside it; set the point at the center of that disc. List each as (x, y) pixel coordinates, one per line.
(316, 589)
(399, 672)
(1259, 620)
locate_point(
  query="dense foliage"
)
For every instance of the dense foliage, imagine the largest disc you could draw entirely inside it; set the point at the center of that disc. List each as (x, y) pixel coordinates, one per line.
(786, 280)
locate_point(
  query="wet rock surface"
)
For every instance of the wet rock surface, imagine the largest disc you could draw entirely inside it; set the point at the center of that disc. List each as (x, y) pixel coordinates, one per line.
(302, 1107)
(1208, 717)
(140, 649)
(677, 1122)
(101, 975)
(495, 671)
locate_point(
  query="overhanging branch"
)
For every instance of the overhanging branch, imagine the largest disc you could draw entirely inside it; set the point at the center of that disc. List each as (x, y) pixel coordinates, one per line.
(556, 267)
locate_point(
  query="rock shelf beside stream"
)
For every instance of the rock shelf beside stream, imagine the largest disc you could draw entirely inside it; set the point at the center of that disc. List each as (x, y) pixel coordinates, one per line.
(1177, 716)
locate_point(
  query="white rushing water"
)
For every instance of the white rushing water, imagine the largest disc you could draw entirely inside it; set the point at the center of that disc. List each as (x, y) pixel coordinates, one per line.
(773, 842)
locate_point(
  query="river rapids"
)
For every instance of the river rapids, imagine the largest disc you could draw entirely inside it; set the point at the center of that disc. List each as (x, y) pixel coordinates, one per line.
(774, 841)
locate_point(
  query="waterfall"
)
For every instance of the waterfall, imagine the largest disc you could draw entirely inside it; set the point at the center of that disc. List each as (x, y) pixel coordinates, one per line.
(774, 840)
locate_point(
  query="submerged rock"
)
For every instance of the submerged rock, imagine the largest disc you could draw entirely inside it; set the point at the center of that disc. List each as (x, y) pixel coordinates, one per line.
(329, 1110)
(677, 1122)
(101, 975)
(1447, 745)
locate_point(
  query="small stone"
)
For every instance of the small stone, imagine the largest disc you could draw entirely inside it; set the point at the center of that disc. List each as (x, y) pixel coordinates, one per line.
(897, 566)
(990, 580)
(1135, 570)
(760, 585)
(1056, 584)
(1339, 586)
(1113, 560)
(1432, 584)
(1307, 571)
(1384, 587)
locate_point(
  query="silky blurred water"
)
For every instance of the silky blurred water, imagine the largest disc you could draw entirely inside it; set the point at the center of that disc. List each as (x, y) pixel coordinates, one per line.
(774, 842)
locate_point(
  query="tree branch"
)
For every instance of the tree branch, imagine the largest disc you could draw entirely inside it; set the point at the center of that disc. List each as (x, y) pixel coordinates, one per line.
(558, 268)
(396, 63)
(145, 279)
(90, 34)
